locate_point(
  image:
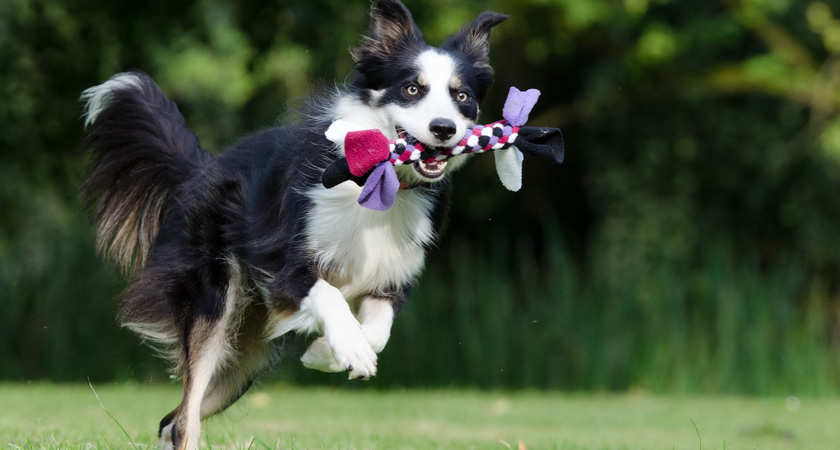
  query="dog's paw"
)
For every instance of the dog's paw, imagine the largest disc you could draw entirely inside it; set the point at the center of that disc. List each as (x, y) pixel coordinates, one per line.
(351, 350)
(319, 357)
(360, 375)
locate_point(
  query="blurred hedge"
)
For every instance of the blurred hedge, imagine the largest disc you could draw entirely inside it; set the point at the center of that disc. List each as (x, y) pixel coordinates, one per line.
(698, 195)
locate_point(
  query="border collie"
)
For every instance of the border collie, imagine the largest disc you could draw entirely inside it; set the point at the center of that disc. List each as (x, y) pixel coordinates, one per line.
(230, 252)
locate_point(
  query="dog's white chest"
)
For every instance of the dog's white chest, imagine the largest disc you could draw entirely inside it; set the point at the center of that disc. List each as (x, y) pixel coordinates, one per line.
(363, 251)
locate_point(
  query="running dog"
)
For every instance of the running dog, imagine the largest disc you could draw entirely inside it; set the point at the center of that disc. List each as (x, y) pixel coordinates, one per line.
(229, 252)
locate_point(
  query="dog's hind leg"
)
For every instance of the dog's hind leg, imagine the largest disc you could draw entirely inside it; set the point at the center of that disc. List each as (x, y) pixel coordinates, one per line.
(205, 349)
(205, 355)
(252, 355)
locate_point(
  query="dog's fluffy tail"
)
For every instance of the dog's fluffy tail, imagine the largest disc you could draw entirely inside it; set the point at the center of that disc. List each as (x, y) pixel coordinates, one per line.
(141, 151)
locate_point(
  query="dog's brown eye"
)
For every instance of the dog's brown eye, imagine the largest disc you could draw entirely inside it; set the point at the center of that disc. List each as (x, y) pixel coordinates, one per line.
(463, 96)
(412, 89)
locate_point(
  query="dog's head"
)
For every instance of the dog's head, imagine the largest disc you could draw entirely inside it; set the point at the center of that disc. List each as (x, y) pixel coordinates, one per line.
(430, 93)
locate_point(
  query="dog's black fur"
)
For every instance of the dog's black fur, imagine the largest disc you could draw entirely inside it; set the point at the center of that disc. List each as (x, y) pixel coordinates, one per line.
(221, 248)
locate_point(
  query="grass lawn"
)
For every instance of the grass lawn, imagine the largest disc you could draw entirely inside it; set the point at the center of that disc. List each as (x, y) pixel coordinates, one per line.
(47, 416)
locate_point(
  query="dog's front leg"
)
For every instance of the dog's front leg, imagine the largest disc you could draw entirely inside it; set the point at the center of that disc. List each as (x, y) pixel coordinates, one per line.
(376, 315)
(344, 345)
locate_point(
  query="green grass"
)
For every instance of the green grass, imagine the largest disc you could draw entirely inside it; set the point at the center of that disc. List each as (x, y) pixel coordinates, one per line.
(47, 416)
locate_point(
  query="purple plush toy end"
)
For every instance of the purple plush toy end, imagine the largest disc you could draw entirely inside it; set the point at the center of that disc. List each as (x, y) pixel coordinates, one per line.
(519, 105)
(380, 189)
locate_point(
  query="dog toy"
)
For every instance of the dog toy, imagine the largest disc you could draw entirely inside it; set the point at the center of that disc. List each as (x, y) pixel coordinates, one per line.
(370, 157)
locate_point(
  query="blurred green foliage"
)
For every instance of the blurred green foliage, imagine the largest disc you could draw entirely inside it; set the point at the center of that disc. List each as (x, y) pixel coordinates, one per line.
(690, 242)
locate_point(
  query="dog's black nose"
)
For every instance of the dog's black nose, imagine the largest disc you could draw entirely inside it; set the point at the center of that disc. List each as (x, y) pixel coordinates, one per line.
(443, 129)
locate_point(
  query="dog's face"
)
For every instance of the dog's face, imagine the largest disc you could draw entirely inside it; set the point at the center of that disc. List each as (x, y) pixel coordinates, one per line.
(430, 93)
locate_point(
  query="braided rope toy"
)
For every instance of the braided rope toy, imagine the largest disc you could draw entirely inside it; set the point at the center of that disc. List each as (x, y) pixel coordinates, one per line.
(370, 157)
(481, 138)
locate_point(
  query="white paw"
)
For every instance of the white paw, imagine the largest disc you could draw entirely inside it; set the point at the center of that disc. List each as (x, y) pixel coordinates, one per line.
(343, 338)
(319, 357)
(360, 375)
(351, 349)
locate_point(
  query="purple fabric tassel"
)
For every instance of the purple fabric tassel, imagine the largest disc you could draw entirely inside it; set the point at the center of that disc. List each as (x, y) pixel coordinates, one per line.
(380, 189)
(518, 105)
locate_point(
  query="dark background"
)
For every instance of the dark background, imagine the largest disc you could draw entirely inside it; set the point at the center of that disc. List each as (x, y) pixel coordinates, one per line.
(689, 243)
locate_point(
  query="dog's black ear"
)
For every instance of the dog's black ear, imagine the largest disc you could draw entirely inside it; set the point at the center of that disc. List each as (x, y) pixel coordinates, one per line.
(474, 38)
(391, 28)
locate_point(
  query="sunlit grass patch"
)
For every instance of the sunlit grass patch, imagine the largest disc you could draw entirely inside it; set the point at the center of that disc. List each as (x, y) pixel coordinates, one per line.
(53, 417)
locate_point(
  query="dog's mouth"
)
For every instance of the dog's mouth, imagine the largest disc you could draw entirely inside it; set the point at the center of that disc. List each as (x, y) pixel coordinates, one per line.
(428, 170)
